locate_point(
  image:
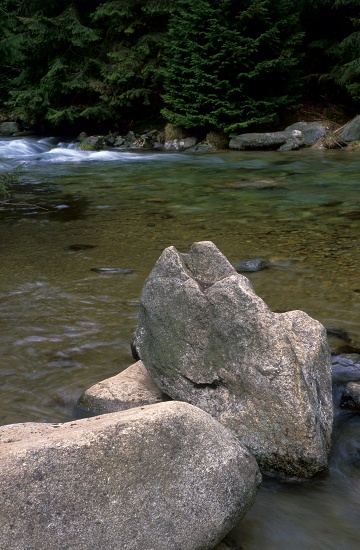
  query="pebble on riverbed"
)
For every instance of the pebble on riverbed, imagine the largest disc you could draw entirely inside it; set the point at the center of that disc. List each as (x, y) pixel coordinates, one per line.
(255, 264)
(106, 270)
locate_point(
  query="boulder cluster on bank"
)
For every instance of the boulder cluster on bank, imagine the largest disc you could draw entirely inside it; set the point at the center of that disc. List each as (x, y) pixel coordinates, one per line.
(316, 134)
(300, 134)
(223, 388)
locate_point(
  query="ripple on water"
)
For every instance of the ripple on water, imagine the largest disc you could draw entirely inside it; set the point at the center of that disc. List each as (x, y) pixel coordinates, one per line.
(64, 328)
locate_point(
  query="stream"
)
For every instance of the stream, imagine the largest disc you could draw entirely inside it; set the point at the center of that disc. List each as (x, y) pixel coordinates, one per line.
(66, 323)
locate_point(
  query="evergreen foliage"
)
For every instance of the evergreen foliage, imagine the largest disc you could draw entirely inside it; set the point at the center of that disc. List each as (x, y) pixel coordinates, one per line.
(56, 67)
(131, 66)
(333, 37)
(227, 65)
(231, 65)
(9, 47)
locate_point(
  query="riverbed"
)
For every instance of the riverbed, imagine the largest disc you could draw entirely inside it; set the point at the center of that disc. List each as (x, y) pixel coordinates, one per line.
(66, 324)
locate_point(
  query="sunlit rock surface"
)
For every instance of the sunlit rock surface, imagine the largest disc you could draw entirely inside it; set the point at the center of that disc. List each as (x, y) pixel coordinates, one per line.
(151, 478)
(131, 388)
(208, 339)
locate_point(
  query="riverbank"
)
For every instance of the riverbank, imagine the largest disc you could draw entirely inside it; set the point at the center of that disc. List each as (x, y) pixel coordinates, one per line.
(320, 134)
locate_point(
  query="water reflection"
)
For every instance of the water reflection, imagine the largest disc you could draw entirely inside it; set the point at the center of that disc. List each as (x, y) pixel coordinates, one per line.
(298, 210)
(323, 513)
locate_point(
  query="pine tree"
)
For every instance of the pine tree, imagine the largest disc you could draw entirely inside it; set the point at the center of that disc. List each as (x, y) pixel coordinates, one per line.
(9, 47)
(333, 57)
(231, 65)
(132, 74)
(55, 70)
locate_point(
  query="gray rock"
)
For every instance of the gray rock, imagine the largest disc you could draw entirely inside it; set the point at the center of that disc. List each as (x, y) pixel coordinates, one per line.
(283, 141)
(351, 131)
(311, 131)
(345, 367)
(131, 388)
(82, 136)
(110, 270)
(9, 128)
(255, 264)
(202, 148)
(153, 478)
(119, 141)
(208, 339)
(96, 142)
(130, 136)
(180, 144)
(350, 398)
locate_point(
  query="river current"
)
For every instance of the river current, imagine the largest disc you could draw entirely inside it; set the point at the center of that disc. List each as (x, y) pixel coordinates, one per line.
(66, 325)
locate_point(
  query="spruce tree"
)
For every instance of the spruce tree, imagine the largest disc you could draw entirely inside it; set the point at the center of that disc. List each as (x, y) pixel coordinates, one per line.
(231, 65)
(55, 68)
(9, 47)
(333, 49)
(132, 73)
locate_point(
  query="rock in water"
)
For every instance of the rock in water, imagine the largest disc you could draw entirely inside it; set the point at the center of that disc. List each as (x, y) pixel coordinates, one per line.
(208, 339)
(160, 477)
(130, 388)
(255, 264)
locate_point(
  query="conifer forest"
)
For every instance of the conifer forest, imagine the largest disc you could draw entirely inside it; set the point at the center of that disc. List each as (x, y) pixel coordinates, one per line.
(228, 65)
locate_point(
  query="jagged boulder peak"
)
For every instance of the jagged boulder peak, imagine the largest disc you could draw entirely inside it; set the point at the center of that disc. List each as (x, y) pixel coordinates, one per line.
(208, 339)
(160, 477)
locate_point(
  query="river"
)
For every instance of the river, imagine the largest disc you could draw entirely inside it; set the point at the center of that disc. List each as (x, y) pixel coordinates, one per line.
(65, 326)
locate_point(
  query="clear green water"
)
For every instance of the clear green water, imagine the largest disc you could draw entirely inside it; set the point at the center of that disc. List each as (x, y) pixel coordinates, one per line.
(65, 327)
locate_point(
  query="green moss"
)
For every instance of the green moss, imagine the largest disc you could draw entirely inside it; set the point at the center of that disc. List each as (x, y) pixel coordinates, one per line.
(175, 132)
(85, 146)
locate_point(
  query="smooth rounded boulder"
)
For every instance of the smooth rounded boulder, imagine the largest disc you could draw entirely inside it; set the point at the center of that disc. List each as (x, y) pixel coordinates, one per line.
(160, 477)
(206, 338)
(131, 388)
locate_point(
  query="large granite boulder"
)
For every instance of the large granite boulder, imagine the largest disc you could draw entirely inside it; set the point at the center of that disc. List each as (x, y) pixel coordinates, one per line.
(158, 477)
(351, 131)
(208, 339)
(131, 388)
(286, 140)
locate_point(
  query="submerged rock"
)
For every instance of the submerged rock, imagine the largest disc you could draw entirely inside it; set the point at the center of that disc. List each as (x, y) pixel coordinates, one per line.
(345, 367)
(163, 476)
(350, 398)
(131, 388)
(255, 264)
(208, 339)
(106, 270)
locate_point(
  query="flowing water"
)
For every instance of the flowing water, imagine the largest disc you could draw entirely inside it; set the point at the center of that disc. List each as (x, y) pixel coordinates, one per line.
(66, 325)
